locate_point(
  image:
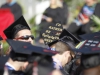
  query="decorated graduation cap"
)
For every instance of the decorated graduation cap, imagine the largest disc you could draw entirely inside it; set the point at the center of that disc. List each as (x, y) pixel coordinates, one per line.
(18, 25)
(51, 33)
(89, 47)
(95, 35)
(90, 50)
(39, 57)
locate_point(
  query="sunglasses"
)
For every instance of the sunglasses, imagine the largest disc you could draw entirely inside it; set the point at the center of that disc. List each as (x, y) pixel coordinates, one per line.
(26, 37)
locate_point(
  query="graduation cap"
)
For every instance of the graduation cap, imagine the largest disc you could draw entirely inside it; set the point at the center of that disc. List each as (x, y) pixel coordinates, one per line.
(40, 57)
(90, 57)
(90, 60)
(68, 38)
(90, 53)
(51, 33)
(18, 25)
(25, 49)
(88, 47)
(95, 35)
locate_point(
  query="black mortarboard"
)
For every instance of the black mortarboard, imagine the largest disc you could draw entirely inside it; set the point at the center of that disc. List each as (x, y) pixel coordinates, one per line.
(90, 60)
(90, 50)
(68, 38)
(18, 25)
(95, 35)
(88, 47)
(51, 33)
(25, 49)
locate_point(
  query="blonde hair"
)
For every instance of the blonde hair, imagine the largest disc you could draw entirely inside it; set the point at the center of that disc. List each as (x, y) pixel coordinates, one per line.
(58, 4)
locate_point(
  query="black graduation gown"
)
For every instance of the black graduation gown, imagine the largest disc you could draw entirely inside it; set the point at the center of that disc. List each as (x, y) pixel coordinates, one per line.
(79, 30)
(3, 60)
(55, 14)
(15, 9)
(65, 10)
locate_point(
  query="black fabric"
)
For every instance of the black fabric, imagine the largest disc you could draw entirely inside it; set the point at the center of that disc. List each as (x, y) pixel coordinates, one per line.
(3, 60)
(1, 38)
(88, 47)
(95, 36)
(17, 28)
(15, 9)
(67, 36)
(12, 72)
(18, 25)
(71, 67)
(51, 32)
(90, 60)
(44, 65)
(73, 28)
(25, 51)
(69, 39)
(40, 58)
(57, 16)
(65, 10)
(53, 13)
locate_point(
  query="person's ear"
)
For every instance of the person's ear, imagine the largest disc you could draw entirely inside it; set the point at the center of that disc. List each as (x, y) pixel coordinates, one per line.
(66, 53)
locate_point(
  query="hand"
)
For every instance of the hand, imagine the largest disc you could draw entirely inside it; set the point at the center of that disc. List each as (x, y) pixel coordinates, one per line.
(49, 19)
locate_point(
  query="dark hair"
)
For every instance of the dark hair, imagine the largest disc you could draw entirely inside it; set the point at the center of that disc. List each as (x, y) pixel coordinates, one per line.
(78, 70)
(44, 65)
(90, 60)
(17, 28)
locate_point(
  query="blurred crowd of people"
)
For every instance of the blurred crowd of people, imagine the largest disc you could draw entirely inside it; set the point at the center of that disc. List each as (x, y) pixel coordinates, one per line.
(67, 55)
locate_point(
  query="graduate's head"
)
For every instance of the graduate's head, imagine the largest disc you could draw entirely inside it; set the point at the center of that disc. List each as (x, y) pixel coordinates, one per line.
(62, 47)
(90, 56)
(90, 64)
(19, 30)
(64, 52)
(24, 35)
(67, 42)
(90, 2)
